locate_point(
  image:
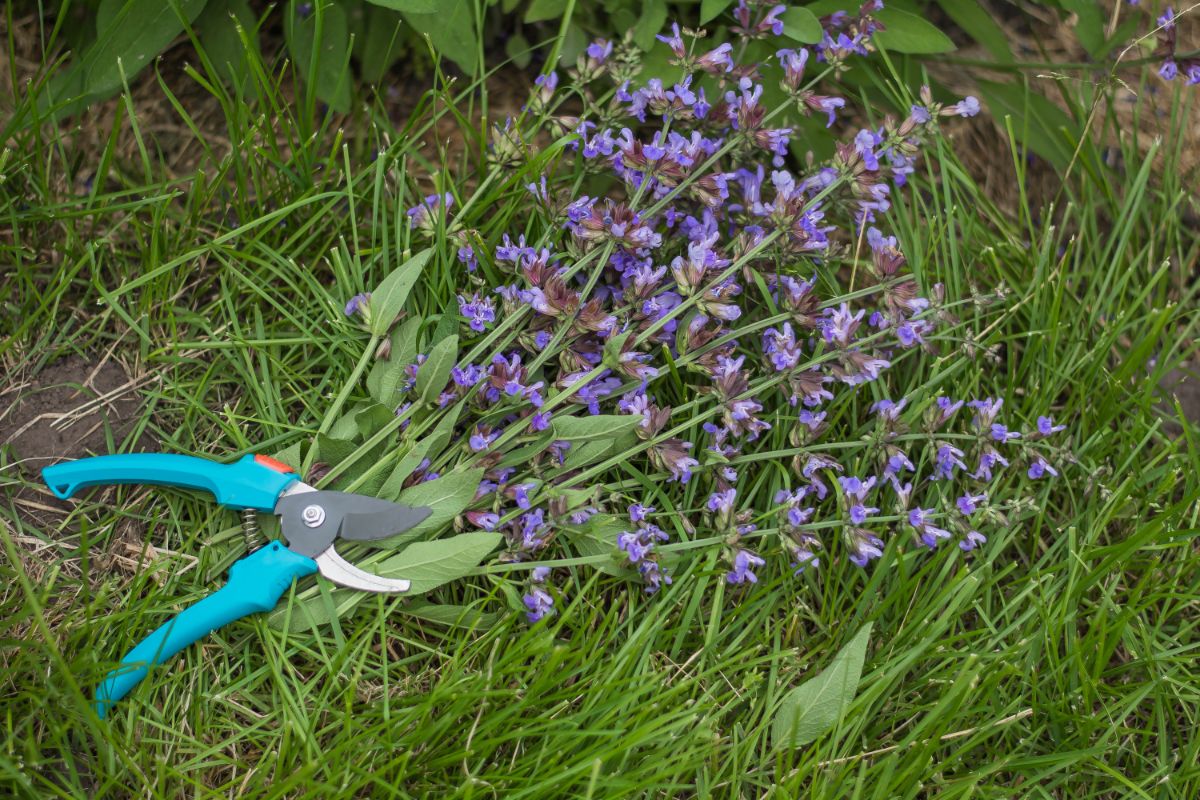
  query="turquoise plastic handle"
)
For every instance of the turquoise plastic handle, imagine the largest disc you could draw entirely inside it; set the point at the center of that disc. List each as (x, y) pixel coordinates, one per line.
(255, 584)
(246, 483)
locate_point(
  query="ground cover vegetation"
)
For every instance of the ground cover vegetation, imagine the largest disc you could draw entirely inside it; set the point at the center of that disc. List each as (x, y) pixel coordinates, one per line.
(770, 452)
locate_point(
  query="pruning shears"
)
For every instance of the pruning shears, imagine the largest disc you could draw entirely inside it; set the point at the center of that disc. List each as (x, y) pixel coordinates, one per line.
(311, 520)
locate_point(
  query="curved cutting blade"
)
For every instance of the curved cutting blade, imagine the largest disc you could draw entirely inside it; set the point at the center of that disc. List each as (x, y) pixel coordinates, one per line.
(343, 573)
(365, 523)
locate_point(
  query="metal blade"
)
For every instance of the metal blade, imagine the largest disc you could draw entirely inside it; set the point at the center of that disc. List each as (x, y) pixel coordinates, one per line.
(343, 573)
(366, 526)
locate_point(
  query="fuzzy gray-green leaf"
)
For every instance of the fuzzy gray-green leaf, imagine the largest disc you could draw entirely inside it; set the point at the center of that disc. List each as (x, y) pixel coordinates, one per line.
(387, 301)
(815, 706)
(435, 372)
(593, 428)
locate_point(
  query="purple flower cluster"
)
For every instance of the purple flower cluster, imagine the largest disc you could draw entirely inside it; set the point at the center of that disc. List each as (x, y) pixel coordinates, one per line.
(1173, 65)
(707, 274)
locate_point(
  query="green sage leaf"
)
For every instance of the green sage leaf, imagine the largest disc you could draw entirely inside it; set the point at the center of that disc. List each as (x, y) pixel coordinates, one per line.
(801, 25)
(815, 706)
(594, 427)
(711, 9)
(908, 33)
(435, 372)
(387, 301)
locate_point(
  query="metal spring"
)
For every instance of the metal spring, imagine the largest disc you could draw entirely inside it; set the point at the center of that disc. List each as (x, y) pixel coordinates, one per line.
(252, 531)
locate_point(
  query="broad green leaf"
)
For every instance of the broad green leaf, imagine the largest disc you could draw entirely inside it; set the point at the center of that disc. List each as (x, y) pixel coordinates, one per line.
(1037, 123)
(587, 453)
(815, 706)
(387, 374)
(448, 496)
(590, 428)
(344, 427)
(434, 563)
(598, 537)
(433, 375)
(387, 301)
(327, 61)
(711, 9)
(518, 49)
(217, 30)
(410, 6)
(372, 419)
(650, 23)
(430, 446)
(801, 25)
(291, 456)
(1089, 23)
(545, 9)
(333, 451)
(908, 33)
(521, 456)
(980, 26)
(382, 42)
(408, 463)
(574, 42)
(133, 32)
(451, 30)
(450, 615)
(427, 565)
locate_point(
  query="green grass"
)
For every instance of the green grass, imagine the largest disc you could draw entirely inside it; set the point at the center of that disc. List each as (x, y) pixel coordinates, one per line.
(1064, 664)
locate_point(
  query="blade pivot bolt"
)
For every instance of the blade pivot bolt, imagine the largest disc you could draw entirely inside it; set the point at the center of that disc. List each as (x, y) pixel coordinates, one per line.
(313, 516)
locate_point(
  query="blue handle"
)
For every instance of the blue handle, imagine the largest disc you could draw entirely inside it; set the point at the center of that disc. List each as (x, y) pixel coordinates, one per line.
(251, 482)
(255, 584)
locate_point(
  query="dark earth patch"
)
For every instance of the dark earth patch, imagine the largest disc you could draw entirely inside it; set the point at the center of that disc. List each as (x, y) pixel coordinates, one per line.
(1182, 385)
(67, 410)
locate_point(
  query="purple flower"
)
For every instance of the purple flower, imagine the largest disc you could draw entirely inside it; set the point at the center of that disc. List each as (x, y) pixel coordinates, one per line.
(1167, 20)
(967, 107)
(634, 546)
(520, 494)
(793, 62)
(1002, 434)
(744, 562)
(987, 461)
(599, 51)
(674, 41)
(968, 504)
(864, 546)
(421, 216)
(358, 304)
(653, 576)
(1169, 70)
(947, 408)
(479, 313)
(856, 491)
(639, 512)
(717, 60)
(888, 410)
(540, 604)
(972, 540)
(466, 255)
(949, 458)
(488, 520)
(1040, 468)
(930, 534)
(1046, 426)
